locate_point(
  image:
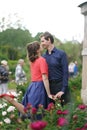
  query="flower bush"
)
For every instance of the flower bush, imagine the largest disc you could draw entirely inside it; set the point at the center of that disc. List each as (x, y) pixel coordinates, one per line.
(9, 118)
(56, 117)
(72, 116)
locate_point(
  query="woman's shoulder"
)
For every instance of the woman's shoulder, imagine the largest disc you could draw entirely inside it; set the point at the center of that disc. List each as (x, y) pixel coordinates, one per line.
(41, 58)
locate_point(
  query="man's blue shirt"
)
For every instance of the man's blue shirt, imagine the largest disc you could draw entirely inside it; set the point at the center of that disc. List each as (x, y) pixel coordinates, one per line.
(57, 66)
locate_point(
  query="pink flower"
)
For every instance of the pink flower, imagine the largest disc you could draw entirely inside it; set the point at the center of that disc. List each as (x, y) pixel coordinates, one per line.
(38, 125)
(50, 106)
(83, 128)
(85, 125)
(82, 106)
(65, 112)
(40, 106)
(59, 112)
(25, 110)
(75, 117)
(34, 110)
(62, 121)
(29, 106)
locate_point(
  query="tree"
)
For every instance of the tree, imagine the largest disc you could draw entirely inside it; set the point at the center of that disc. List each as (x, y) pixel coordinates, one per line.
(15, 37)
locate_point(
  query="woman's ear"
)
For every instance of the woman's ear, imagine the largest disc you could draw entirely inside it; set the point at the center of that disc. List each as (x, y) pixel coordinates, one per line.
(49, 39)
(38, 50)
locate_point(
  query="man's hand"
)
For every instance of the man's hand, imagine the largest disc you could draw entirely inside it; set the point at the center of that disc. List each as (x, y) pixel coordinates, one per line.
(58, 95)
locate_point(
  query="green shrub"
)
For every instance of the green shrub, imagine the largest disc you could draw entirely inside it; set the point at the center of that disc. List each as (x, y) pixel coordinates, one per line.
(22, 87)
(75, 83)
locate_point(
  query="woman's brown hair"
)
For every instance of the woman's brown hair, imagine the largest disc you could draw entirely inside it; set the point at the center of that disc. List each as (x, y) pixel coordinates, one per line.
(32, 49)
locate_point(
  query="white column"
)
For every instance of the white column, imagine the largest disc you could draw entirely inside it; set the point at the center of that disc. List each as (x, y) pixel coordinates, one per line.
(84, 55)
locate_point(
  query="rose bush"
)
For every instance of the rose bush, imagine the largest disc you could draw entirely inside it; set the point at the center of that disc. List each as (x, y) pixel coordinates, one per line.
(72, 116)
(55, 117)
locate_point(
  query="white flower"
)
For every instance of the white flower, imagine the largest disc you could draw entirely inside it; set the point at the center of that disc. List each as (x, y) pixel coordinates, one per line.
(4, 113)
(1, 106)
(20, 92)
(12, 93)
(20, 84)
(7, 120)
(15, 99)
(11, 108)
(58, 105)
(5, 104)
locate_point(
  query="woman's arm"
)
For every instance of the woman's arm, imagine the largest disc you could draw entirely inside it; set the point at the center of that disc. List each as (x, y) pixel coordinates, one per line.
(46, 84)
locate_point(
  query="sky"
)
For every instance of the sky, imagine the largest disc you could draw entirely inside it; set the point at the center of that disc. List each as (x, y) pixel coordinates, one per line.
(61, 18)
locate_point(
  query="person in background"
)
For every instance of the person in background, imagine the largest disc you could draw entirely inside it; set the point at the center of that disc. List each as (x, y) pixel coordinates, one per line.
(39, 86)
(20, 76)
(76, 69)
(71, 69)
(57, 68)
(4, 73)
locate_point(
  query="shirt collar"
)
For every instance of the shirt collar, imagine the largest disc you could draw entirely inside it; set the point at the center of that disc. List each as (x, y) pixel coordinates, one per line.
(53, 51)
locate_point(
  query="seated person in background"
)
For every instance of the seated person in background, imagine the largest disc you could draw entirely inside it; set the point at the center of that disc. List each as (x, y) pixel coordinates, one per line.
(20, 76)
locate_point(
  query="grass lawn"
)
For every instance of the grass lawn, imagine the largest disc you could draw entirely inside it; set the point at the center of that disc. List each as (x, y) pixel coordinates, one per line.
(12, 85)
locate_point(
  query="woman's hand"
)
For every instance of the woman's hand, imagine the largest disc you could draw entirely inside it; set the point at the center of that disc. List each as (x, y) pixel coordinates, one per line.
(52, 97)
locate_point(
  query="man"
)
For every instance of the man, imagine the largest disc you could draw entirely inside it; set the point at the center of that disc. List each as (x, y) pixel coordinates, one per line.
(58, 68)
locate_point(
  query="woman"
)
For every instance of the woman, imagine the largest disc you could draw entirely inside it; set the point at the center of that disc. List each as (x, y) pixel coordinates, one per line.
(39, 86)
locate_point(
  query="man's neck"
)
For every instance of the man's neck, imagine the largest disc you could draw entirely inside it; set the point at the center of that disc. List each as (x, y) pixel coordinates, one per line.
(50, 48)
